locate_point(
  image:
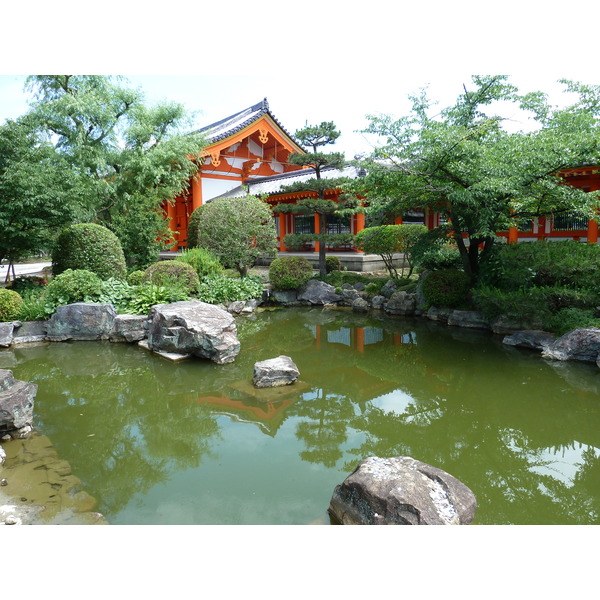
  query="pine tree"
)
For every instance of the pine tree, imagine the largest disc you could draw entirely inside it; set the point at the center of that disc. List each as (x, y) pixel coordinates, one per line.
(316, 137)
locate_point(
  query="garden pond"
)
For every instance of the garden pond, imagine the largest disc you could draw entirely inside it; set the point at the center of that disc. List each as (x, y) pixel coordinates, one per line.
(149, 441)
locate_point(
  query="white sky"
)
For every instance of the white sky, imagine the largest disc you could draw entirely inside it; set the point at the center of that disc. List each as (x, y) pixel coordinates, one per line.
(320, 60)
(327, 60)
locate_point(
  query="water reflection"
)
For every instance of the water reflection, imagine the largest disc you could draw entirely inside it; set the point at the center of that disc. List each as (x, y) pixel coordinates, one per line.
(141, 432)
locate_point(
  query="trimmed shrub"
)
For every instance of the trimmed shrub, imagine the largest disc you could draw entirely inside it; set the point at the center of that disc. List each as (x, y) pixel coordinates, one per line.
(172, 272)
(90, 247)
(216, 289)
(203, 261)
(332, 263)
(446, 288)
(10, 303)
(192, 230)
(135, 277)
(289, 272)
(73, 286)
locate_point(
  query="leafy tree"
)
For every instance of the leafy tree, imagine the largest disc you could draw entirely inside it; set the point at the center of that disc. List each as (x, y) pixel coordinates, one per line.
(36, 191)
(129, 158)
(386, 240)
(315, 137)
(237, 231)
(482, 178)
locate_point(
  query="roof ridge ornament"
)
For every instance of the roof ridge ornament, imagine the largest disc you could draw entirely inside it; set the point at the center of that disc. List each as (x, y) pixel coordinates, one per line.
(265, 104)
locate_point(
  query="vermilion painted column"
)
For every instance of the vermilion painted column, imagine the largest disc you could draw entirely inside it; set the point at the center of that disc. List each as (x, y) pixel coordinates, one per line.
(172, 215)
(317, 230)
(360, 339)
(196, 192)
(592, 231)
(282, 232)
(398, 221)
(359, 225)
(513, 235)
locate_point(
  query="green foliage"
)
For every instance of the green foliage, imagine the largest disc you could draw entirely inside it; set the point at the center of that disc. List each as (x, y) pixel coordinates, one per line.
(25, 283)
(565, 263)
(567, 319)
(90, 247)
(446, 288)
(216, 289)
(238, 231)
(135, 277)
(35, 306)
(36, 191)
(434, 250)
(203, 261)
(332, 263)
(10, 303)
(72, 286)
(374, 287)
(172, 272)
(462, 162)
(192, 230)
(146, 295)
(289, 272)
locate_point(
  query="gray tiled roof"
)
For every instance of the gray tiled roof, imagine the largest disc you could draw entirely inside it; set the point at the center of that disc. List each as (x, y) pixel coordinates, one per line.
(273, 184)
(230, 125)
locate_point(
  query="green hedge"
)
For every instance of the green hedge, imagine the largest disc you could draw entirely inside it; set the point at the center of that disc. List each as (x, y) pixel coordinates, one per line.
(289, 272)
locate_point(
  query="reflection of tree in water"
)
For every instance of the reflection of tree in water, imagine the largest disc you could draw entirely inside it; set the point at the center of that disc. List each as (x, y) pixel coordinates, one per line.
(103, 418)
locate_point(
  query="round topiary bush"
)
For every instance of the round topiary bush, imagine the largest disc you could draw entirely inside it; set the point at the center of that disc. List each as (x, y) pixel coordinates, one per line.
(172, 273)
(446, 287)
(332, 263)
(204, 261)
(135, 277)
(289, 272)
(90, 247)
(10, 303)
(72, 286)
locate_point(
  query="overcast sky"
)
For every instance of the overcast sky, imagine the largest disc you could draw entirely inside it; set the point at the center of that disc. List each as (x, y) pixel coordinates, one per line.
(314, 61)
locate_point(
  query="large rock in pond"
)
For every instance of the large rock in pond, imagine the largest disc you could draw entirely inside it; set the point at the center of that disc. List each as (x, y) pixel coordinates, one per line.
(129, 328)
(275, 372)
(6, 334)
(471, 319)
(318, 292)
(401, 491)
(530, 338)
(29, 331)
(401, 303)
(16, 402)
(81, 321)
(582, 344)
(193, 327)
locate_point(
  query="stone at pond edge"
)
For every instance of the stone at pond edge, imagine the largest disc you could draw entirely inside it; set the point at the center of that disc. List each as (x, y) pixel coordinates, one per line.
(401, 491)
(275, 372)
(471, 319)
(6, 334)
(318, 292)
(401, 303)
(193, 327)
(16, 403)
(360, 305)
(530, 338)
(582, 344)
(129, 328)
(81, 321)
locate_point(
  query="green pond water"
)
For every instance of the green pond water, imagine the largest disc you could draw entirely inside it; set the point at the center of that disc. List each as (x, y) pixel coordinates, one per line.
(156, 442)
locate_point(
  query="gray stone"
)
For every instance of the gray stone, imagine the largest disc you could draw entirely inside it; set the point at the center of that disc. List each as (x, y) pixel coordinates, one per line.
(6, 334)
(81, 321)
(421, 300)
(506, 325)
(250, 306)
(582, 344)
(16, 402)
(401, 491)
(360, 286)
(275, 372)
(235, 308)
(2, 459)
(438, 314)
(129, 328)
(29, 332)
(318, 292)
(172, 356)
(401, 303)
(470, 319)
(193, 327)
(360, 305)
(289, 297)
(377, 302)
(530, 338)
(349, 295)
(388, 289)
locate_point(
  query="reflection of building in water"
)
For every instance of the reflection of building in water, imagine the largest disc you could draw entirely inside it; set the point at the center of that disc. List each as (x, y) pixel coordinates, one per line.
(357, 337)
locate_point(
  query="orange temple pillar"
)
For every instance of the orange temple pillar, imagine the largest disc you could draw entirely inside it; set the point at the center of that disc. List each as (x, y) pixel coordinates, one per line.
(592, 231)
(513, 235)
(196, 192)
(172, 214)
(317, 230)
(359, 225)
(282, 232)
(398, 220)
(360, 339)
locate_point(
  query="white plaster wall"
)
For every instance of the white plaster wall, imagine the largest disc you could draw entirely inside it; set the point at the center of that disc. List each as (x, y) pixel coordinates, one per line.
(215, 187)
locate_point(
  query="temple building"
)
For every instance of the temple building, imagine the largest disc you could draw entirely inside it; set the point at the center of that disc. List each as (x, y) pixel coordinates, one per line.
(247, 153)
